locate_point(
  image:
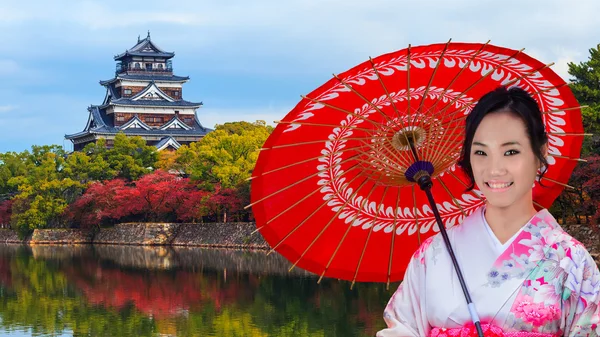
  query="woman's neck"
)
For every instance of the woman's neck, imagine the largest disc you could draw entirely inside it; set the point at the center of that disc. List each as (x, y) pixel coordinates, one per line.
(506, 221)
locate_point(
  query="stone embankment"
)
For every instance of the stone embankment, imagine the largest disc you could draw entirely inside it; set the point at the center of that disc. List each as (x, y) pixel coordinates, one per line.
(220, 235)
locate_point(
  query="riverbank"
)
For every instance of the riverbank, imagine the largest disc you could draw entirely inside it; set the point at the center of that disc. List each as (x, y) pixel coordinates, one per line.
(237, 235)
(217, 235)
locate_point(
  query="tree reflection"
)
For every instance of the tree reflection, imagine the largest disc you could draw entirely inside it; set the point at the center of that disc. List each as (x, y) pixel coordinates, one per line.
(93, 296)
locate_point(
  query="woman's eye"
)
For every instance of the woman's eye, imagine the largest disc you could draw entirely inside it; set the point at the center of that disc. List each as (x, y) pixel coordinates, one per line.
(511, 152)
(479, 153)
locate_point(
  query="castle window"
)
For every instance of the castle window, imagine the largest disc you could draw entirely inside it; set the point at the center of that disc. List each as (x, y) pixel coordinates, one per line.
(126, 91)
(120, 119)
(148, 66)
(160, 66)
(137, 65)
(175, 93)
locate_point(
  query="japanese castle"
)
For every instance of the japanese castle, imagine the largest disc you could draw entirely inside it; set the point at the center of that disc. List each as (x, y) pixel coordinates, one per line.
(144, 99)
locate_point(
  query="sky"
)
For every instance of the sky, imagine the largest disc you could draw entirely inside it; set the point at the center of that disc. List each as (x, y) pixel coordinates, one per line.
(247, 60)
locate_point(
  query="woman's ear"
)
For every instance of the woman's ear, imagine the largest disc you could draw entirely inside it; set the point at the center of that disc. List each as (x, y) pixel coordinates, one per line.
(544, 153)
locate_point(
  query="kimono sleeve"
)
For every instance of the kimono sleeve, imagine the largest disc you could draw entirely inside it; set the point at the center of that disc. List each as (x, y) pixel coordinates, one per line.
(581, 296)
(405, 312)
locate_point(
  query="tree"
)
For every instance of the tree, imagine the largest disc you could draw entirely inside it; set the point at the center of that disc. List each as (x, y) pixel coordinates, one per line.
(44, 192)
(585, 84)
(104, 203)
(225, 156)
(586, 87)
(129, 158)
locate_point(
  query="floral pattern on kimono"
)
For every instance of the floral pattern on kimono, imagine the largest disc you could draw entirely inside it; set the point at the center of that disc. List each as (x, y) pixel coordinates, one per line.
(544, 282)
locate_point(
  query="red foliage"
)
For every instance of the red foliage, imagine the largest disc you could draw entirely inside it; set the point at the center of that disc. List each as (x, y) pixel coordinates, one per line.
(588, 176)
(5, 212)
(225, 201)
(161, 195)
(110, 200)
(158, 196)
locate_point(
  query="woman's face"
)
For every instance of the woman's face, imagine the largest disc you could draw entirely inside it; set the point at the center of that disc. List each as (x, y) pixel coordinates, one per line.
(504, 165)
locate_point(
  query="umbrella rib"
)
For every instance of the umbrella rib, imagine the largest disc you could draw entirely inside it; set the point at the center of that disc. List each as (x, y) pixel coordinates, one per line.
(570, 134)
(386, 91)
(297, 182)
(294, 205)
(437, 65)
(557, 182)
(394, 154)
(408, 90)
(314, 100)
(514, 80)
(363, 204)
(389, 98)
(538, 205)
(328, 224)
(316, 142)
(368, 237)
(346, 149)
(342, 110)
(454, 137)
(303, 222)
(479, 80)
(465, 185)
(393, 233)
(371, 104)
(550, 112)
(363, 98)
(371, 131)
(462, 94)
(568, 158)
(328, 125)
(453, 198)
(466, 66)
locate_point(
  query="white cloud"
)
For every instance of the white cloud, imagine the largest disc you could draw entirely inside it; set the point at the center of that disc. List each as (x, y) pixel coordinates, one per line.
(7, 108)
(211, 117)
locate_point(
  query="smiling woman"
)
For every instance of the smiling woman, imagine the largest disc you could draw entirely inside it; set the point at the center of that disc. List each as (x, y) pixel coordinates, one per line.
(527, 276)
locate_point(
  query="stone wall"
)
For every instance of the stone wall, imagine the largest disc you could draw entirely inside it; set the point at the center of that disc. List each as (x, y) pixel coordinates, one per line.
(223, 235)
(230, 235)
(9, 236)
(60, 236)
(138, 234)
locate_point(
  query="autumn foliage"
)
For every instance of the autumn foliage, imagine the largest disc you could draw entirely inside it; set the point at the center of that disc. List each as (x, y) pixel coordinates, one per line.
(158, 196)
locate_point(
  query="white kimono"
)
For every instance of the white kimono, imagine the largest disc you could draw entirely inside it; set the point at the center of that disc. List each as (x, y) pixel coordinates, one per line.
(542, 281)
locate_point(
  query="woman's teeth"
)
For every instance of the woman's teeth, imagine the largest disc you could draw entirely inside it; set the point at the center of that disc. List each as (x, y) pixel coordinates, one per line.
(498, 185)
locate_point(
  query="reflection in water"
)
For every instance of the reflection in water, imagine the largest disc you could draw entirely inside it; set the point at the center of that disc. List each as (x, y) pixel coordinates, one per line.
(163, 291)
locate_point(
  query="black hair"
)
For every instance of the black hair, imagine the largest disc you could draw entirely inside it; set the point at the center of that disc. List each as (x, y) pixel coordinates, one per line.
(516, 101)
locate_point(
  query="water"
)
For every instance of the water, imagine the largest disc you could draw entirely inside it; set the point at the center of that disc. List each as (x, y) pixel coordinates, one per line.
(163, 291)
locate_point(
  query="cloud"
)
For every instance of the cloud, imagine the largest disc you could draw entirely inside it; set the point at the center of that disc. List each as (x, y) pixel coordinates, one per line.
(211, 117)
(7, 108)
(241, 54)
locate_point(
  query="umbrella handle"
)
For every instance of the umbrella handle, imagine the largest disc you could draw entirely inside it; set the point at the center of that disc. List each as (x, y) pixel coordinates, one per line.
(425, 183)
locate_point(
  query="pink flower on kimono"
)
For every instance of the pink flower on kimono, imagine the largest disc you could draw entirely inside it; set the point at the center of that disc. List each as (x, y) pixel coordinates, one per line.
(420, 253)
(535, 313)
(549, 292)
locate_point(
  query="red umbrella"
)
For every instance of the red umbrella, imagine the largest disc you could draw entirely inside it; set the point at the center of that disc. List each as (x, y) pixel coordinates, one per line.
(332, 189)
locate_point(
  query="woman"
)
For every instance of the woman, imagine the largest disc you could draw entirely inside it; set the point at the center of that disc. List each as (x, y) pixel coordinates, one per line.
(526, 276)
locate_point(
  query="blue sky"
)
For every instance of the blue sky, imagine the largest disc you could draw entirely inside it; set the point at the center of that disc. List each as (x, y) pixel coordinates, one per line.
(247, 60)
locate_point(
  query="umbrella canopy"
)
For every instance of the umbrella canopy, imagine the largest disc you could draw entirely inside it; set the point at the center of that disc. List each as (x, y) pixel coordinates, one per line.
(330, 190)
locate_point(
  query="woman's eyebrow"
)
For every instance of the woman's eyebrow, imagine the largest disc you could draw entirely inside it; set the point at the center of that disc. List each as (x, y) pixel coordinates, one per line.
(505, 144)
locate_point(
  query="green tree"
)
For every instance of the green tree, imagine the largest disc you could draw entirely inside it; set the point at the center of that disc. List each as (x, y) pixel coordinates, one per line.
(44, 192)
(225, 156)
(586, 87)
(129, 158)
